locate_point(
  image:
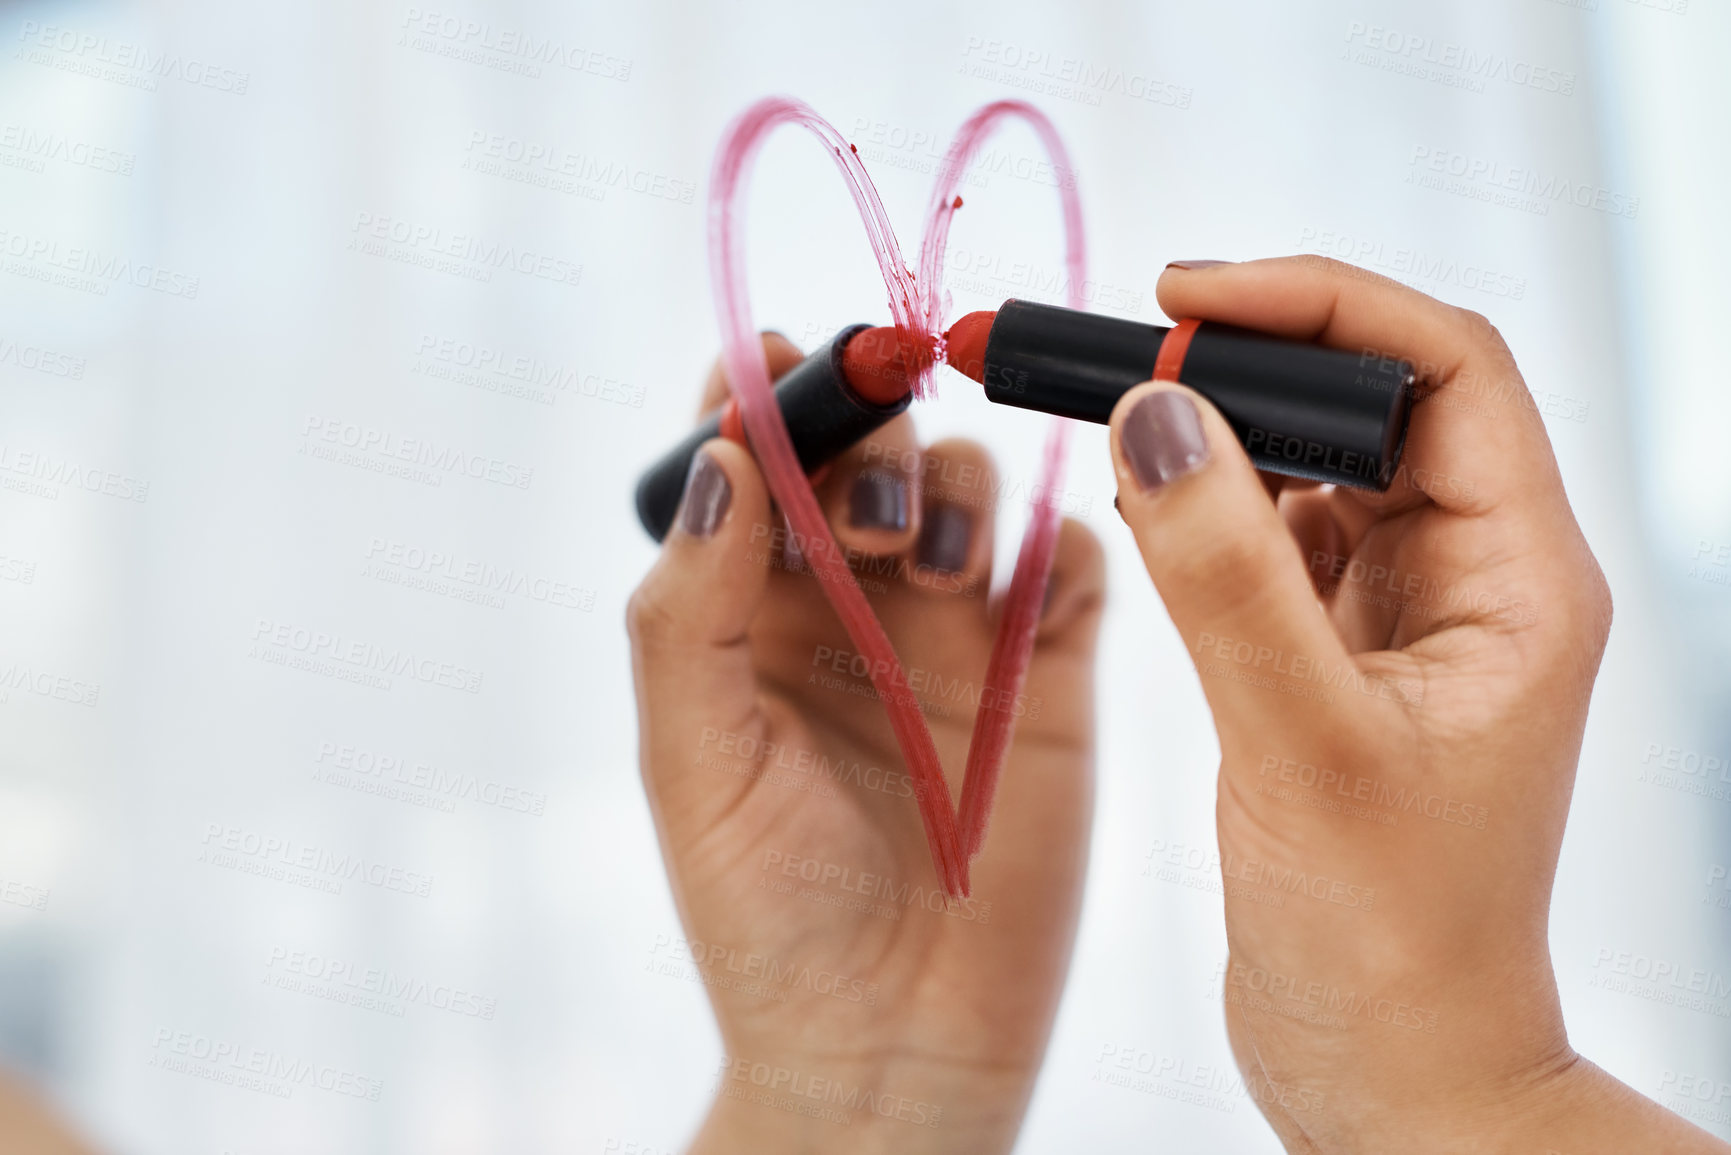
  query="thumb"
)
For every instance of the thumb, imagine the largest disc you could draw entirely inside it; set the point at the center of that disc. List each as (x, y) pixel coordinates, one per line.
(1226, 566)
(690, 620)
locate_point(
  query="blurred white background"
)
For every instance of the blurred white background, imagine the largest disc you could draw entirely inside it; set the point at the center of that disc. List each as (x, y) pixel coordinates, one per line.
(194, 297)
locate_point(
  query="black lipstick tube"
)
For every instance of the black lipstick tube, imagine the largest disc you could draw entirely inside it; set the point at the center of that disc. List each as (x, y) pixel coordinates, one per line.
(823, 413)
(1298, 409)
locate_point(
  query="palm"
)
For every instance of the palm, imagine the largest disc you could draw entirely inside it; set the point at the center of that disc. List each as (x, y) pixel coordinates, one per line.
(1441, 607)
(843, 884)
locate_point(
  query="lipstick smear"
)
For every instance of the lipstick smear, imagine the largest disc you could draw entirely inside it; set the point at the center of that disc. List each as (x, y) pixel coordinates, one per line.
(955, 832)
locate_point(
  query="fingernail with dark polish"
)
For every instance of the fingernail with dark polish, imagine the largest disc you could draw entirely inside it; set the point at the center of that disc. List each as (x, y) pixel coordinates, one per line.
(1189, 265)
(878, 501)
(1163, 439)
(945, 537)
(707, 494)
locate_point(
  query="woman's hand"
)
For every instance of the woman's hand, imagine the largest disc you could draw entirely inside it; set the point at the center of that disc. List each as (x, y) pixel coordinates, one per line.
(1399, 682)
(844, 985)
(28, 1128)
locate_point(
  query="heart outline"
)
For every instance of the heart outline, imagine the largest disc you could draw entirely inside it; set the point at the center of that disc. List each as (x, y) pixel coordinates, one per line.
(955, 831)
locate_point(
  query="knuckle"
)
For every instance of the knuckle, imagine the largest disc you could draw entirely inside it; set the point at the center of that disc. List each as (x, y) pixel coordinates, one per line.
(960, 449)
(1483, 330)
(1335, 269)
(646, 615)
(1601, 608)
(1080, 545)
(960, 471)
(1331, 266)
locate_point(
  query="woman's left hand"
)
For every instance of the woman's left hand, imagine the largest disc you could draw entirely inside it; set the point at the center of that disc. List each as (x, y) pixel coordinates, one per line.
(844, 985)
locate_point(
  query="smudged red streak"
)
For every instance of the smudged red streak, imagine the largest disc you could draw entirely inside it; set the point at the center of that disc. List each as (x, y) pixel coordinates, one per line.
(916, 304)
(1007, 668)
(875, 363)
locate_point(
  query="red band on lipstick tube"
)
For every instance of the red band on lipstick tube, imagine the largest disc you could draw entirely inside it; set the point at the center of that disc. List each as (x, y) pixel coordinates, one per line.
(1173, 349)
(732, 425)
(1298, 408)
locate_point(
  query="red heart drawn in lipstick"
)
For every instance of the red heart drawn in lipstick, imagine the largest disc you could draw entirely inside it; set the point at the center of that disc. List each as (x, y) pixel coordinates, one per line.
(954, 832)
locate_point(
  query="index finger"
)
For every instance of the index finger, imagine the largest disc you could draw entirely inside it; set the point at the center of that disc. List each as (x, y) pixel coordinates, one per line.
(1475, 441)
(778, 351)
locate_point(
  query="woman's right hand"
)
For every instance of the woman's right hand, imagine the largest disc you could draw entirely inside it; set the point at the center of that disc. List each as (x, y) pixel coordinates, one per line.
(1400, 682)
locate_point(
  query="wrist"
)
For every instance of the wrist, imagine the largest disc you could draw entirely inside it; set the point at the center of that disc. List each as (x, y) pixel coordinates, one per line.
(1570, 1107)
(1459, 1113)
(798, 1104)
